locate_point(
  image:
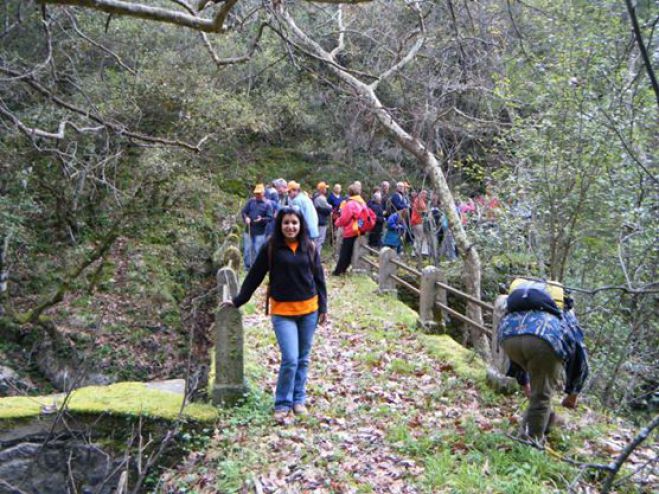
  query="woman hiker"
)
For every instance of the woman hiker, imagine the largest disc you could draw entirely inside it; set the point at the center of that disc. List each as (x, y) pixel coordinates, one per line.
(297, 298)
(347, 221)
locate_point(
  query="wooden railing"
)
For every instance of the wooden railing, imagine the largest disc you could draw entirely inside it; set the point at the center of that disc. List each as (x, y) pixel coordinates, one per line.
(432, 287)
(432, 290)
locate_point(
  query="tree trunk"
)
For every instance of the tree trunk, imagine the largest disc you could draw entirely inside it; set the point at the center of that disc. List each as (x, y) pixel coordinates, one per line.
(366, 93)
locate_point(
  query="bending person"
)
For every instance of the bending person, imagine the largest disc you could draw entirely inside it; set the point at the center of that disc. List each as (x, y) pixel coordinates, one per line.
(542, 338)
(297, 297)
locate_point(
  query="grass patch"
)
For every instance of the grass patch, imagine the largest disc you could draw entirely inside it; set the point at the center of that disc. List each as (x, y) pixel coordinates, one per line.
(467, 460)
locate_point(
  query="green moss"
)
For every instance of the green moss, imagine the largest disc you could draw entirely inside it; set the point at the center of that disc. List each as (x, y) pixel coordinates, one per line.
(363, 305)
(465, 363)
(127, 398)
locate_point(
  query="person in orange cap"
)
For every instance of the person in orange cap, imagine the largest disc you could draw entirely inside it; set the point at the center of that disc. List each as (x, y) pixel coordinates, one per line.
(256, 214)
(324, 210)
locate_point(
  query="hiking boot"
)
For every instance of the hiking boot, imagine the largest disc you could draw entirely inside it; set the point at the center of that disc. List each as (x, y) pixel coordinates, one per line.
(300, 409)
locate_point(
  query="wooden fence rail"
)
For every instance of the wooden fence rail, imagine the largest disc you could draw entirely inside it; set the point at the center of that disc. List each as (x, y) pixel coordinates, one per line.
(420, 291)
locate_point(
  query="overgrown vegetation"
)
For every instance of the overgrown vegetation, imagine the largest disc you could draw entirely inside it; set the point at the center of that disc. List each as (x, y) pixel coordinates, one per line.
(126, 153)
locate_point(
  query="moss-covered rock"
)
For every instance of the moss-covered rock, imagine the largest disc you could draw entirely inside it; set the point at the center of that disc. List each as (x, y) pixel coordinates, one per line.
(465, 363)
(127, 398)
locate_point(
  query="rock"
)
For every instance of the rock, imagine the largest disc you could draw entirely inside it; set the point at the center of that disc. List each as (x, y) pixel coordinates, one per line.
(59, 371)
(11, 383)
(31, 468)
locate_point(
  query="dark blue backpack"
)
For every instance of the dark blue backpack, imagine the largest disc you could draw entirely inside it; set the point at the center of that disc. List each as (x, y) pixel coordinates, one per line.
(532, 296)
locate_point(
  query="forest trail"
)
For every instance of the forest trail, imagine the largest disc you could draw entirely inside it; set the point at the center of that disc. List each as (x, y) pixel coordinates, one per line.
(391, 410)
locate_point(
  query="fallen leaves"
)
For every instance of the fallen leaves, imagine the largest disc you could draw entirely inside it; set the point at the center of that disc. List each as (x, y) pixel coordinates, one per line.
(371, 395)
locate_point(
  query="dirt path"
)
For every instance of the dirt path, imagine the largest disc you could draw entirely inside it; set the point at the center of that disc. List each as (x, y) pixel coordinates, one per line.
(386, 416)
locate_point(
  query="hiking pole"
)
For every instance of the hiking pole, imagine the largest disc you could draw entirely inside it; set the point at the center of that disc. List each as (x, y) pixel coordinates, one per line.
(249, 239)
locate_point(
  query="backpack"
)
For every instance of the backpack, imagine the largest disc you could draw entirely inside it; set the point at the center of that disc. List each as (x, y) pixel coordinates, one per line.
(366, 220)
(529, 295)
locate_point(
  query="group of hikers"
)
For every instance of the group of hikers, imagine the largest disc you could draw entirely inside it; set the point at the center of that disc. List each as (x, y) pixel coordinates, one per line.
(391, 218)
(287, 229)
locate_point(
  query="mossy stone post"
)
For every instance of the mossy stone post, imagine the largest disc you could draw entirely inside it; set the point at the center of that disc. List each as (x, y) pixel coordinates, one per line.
(229, 387)
(498, 365)
(386, 284)
(429, 277)
(359, 266)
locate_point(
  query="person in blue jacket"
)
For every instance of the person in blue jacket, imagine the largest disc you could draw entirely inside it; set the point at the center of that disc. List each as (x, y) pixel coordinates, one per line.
(396, 225)
(298, 198)
(256, 214)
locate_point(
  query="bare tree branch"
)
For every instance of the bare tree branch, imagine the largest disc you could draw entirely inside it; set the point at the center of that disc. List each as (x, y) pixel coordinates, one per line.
(142, 11)
(622, 457)
(341, 45)
(35, 132)
(410, 54)
(97, 44)
(220, 62)
(631, 9)
(38, 67)
(119, 129)
(309, 53)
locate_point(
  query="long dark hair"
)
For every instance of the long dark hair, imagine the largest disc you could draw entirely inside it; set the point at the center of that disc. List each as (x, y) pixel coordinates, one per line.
(277, 238)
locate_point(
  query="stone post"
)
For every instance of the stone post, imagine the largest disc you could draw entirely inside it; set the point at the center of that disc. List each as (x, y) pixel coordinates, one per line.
(386, 284)
(359, 266)
(429, 275)
(498, 365)
(442, 296)
(338, 239)
(229, 387)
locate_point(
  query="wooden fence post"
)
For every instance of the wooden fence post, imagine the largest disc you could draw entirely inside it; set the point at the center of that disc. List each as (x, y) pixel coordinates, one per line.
(386, 284)
(429, 276)
(229, 387)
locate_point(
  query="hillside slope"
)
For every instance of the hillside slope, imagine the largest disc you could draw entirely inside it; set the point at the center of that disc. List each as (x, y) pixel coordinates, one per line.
(391, 411)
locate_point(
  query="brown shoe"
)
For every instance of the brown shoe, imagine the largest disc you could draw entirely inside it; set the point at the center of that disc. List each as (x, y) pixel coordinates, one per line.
(300, 409)
(554, 422)
(280, 416)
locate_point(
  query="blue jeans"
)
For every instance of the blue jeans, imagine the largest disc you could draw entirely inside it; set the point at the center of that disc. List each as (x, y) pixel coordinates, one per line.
(295, 336)
(257, 243)
(251, 246)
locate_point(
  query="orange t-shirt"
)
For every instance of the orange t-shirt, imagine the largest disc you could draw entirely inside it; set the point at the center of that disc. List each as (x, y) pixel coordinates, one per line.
(297, 307)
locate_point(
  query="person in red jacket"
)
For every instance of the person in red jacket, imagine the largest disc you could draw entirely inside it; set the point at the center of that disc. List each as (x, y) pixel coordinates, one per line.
(348, 223)
(419, 210)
